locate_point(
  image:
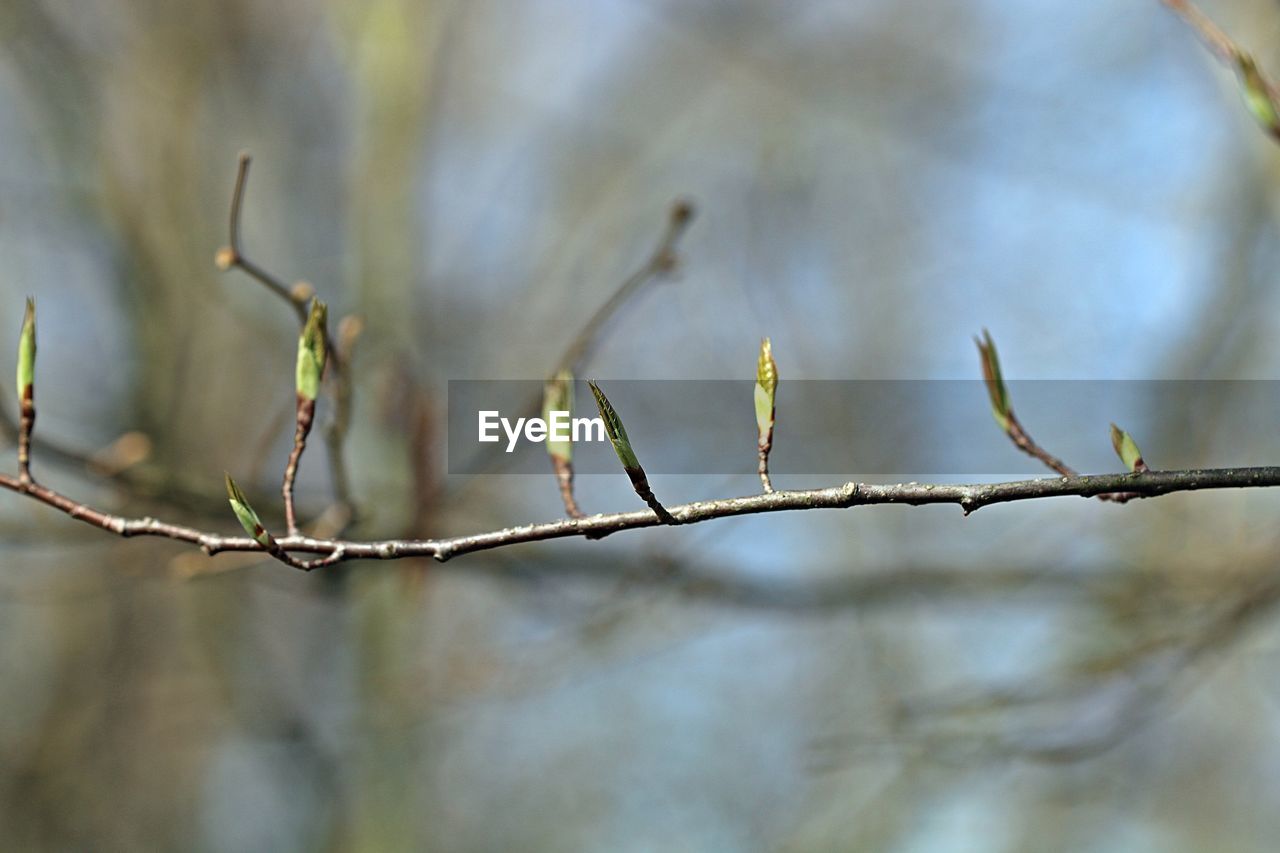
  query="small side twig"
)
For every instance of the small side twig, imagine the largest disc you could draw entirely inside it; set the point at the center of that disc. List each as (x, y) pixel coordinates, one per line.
(564, 481)
(232, 256)
(557, 399)
(1002, 411)
(1261, 95)
(299, 295)
(306, 412)
(1218, 42)
(312, 350)
(661, 262)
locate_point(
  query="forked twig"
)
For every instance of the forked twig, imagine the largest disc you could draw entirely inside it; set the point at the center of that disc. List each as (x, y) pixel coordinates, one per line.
(1002, 411)
(298, 295)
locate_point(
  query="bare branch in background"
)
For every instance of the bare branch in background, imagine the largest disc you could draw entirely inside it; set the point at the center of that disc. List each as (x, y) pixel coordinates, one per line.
(661, 263)
(1261, 96)
(232, 256)
(557, 397)
(299, 295)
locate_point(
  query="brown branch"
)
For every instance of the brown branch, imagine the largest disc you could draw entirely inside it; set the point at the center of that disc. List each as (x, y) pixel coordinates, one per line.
(26, 423)
(1261, 95)
(298, 295)
(1008, 422)
(340, 355)
(640, 483)
(661, 262)
(1218, 42)
(762, 451)
(135, 481)
(969, 497)
(232, 255)
(564, 479)
(306, 416)
(1024, 442)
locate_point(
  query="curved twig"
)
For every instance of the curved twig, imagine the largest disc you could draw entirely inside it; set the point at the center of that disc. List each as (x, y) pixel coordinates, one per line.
(969, 497)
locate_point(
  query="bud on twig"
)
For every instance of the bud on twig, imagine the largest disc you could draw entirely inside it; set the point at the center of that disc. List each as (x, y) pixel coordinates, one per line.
(1258, 95)
(302, 291)
(1000, 408)
(350, 328)
(622, 446)
(247, 517)
(557, 396)
(312, 349)
(615, 430)
(27, 351)
(1127, 450)
(765, 392)
(26, 381)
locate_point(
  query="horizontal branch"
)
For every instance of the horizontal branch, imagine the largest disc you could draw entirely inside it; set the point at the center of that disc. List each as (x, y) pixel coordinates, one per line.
(969, 497)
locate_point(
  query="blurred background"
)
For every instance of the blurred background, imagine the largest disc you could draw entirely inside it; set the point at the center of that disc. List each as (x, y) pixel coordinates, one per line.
(875, 182)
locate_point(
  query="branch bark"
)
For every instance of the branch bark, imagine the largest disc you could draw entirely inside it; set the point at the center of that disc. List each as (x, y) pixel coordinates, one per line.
(969, 497)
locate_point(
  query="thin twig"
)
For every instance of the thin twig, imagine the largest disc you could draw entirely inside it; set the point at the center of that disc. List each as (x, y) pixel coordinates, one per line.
(1024, 442)
(306, 416)
(640, 483)
(970, 497)
(1260, 94)
(137, 482)
(341, 354)
(762, 450)
(298, 296)
(1218, 42)
(1002, 408)
(661, 262)
(26, 423)
(564, 479)
(232, 255)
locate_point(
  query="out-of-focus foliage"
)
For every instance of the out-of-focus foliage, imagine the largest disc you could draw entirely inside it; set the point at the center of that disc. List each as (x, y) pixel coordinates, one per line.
(875, 182)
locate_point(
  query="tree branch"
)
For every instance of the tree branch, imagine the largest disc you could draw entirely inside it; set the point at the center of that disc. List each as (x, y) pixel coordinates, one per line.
(232, 255)
(661, 262)
(969, 497)
(1261, 95)
(298, 296)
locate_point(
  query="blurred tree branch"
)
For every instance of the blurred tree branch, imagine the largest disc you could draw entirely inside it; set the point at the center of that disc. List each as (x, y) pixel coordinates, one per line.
(1260, 94)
